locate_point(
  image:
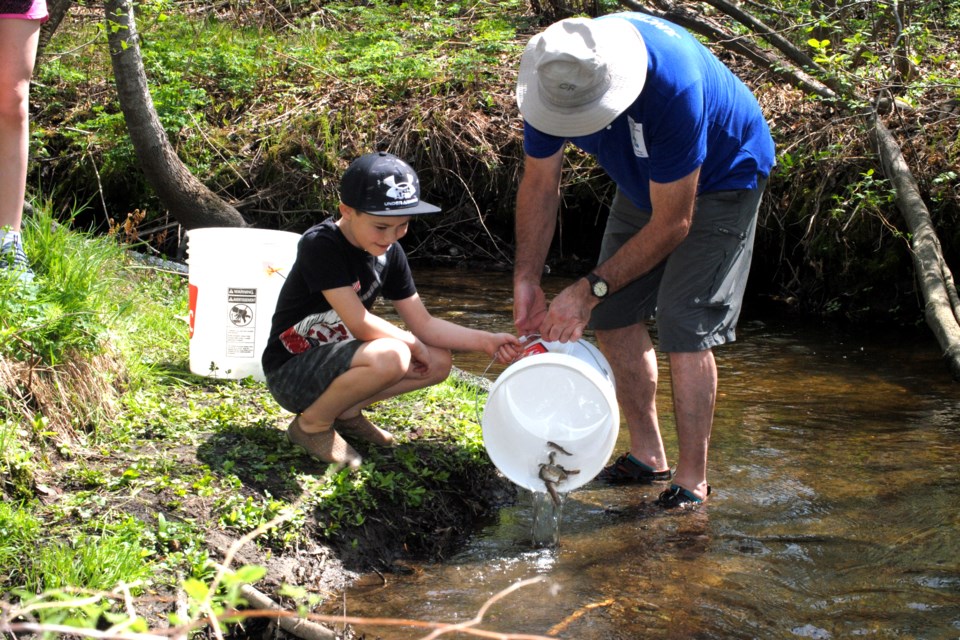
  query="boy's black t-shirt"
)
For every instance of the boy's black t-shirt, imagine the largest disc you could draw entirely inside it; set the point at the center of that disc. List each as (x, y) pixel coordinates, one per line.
(326, 260)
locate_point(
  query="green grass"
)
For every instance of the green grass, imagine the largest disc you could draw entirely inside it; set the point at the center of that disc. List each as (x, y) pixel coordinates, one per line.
(20, 531)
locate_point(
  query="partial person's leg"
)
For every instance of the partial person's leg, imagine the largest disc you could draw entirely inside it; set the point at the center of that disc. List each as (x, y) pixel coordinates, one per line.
(694, 377)
(18, 48)
(634, 362)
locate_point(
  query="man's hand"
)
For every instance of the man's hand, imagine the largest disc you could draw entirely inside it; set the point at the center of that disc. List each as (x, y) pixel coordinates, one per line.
(569, 313)
(529, 308)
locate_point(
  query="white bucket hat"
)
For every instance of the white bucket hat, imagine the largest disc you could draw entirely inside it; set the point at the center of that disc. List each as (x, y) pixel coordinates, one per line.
(579, 74)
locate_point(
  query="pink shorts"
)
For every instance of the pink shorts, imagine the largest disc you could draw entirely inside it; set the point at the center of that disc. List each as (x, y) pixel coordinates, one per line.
(24, 9)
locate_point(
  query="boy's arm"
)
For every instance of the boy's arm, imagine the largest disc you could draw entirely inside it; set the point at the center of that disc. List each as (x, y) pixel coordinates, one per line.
(363, 324)
(437, 332)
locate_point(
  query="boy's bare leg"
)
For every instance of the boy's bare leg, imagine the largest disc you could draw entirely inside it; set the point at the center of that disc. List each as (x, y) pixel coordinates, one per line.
(380, 369)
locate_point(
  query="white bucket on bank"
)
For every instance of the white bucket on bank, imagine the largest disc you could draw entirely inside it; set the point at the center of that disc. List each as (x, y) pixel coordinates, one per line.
(235, 279)
(556, 403)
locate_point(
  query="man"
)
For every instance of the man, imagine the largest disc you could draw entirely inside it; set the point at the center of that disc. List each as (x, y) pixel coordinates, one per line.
(690, 152)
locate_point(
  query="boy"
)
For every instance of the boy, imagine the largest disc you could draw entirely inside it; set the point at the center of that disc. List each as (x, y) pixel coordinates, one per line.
(328, 355)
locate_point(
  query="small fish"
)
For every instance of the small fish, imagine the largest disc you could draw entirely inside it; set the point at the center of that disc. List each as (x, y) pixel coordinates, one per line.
(555, 446)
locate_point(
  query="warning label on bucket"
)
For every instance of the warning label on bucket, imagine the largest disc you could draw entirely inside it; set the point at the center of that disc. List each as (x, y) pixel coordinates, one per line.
(242, 313)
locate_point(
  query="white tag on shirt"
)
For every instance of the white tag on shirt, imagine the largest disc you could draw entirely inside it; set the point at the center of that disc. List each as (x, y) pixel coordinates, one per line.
(636, 134)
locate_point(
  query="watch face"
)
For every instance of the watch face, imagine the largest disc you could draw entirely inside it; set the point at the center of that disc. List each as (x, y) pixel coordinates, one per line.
(600, 288)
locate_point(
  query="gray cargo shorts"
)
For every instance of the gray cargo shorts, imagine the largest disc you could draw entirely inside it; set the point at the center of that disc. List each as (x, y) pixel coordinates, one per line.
(304, 377)
(695, 294)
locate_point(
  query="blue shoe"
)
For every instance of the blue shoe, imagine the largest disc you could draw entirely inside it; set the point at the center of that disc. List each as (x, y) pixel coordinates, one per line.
(12, 257)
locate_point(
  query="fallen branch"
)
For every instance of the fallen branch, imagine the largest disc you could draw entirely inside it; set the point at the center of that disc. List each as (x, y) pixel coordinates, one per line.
(561, 626)
(941, 310)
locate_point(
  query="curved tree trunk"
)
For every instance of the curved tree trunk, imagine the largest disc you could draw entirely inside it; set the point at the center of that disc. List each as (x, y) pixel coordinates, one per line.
(189, 201)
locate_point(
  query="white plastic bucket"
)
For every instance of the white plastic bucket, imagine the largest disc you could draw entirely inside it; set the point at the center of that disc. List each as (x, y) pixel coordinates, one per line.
(560, 399)
(235, 279)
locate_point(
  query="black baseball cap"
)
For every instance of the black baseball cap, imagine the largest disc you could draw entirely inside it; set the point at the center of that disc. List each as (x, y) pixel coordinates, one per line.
(382, 184)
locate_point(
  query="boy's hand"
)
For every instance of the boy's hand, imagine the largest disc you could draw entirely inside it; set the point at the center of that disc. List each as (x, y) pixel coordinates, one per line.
(420, 356)
(504, 347)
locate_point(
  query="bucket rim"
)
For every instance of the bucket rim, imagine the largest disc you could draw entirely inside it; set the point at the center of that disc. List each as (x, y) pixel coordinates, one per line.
(562, 359)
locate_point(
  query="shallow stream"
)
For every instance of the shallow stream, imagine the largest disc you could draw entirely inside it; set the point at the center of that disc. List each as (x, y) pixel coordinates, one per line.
(835, 465)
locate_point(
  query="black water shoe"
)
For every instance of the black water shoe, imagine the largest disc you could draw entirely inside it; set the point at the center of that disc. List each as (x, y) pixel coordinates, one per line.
(627, 470)
(677, 496)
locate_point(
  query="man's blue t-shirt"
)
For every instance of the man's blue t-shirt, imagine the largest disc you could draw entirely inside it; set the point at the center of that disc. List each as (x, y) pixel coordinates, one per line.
(692, 112)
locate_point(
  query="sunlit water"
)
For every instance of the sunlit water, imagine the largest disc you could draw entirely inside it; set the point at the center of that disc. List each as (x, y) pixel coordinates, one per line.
(835, 464)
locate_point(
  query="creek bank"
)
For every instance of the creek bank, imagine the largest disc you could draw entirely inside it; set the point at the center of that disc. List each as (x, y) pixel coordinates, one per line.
(228, 467)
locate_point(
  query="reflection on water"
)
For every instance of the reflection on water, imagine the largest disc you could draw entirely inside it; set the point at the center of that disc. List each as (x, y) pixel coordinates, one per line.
(835, 463)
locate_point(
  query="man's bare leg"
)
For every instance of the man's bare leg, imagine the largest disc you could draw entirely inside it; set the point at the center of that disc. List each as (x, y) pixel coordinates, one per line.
(694, 377)
(634, 362)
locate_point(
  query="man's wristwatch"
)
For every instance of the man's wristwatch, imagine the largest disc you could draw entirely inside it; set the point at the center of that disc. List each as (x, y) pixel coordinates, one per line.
(598, 286)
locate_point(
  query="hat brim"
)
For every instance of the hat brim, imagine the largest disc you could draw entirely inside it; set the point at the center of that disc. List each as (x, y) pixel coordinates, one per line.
(621, 46)
(423, 208)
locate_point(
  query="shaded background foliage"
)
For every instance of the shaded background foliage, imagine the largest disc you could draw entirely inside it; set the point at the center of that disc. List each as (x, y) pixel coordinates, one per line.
(267, 102)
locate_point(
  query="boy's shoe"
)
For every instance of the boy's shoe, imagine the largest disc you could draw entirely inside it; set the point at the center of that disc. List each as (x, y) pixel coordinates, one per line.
(327, 445)
(13, 257)
(360, 427)
(627, 470)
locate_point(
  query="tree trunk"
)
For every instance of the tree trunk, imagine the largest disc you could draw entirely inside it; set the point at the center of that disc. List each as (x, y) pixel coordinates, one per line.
(58, 10)
(189, 201)
(936, 279)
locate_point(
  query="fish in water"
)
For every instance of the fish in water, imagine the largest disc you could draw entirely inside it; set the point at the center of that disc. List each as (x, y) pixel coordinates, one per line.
(553, 474)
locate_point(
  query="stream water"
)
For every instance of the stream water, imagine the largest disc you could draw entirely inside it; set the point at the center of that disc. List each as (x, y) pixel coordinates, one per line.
(835, 465)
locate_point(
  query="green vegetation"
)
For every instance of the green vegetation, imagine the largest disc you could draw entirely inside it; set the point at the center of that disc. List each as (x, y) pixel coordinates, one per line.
(120, 470)
(284, 101)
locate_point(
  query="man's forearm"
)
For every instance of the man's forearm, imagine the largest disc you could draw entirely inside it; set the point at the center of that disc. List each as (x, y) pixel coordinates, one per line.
(536, 220)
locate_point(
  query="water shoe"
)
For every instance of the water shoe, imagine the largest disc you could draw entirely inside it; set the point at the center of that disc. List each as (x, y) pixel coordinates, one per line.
(360, 427)
(677, 496)
(628, 470)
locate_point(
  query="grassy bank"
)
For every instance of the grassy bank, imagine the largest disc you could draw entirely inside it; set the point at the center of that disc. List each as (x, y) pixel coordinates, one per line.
(126, 480)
